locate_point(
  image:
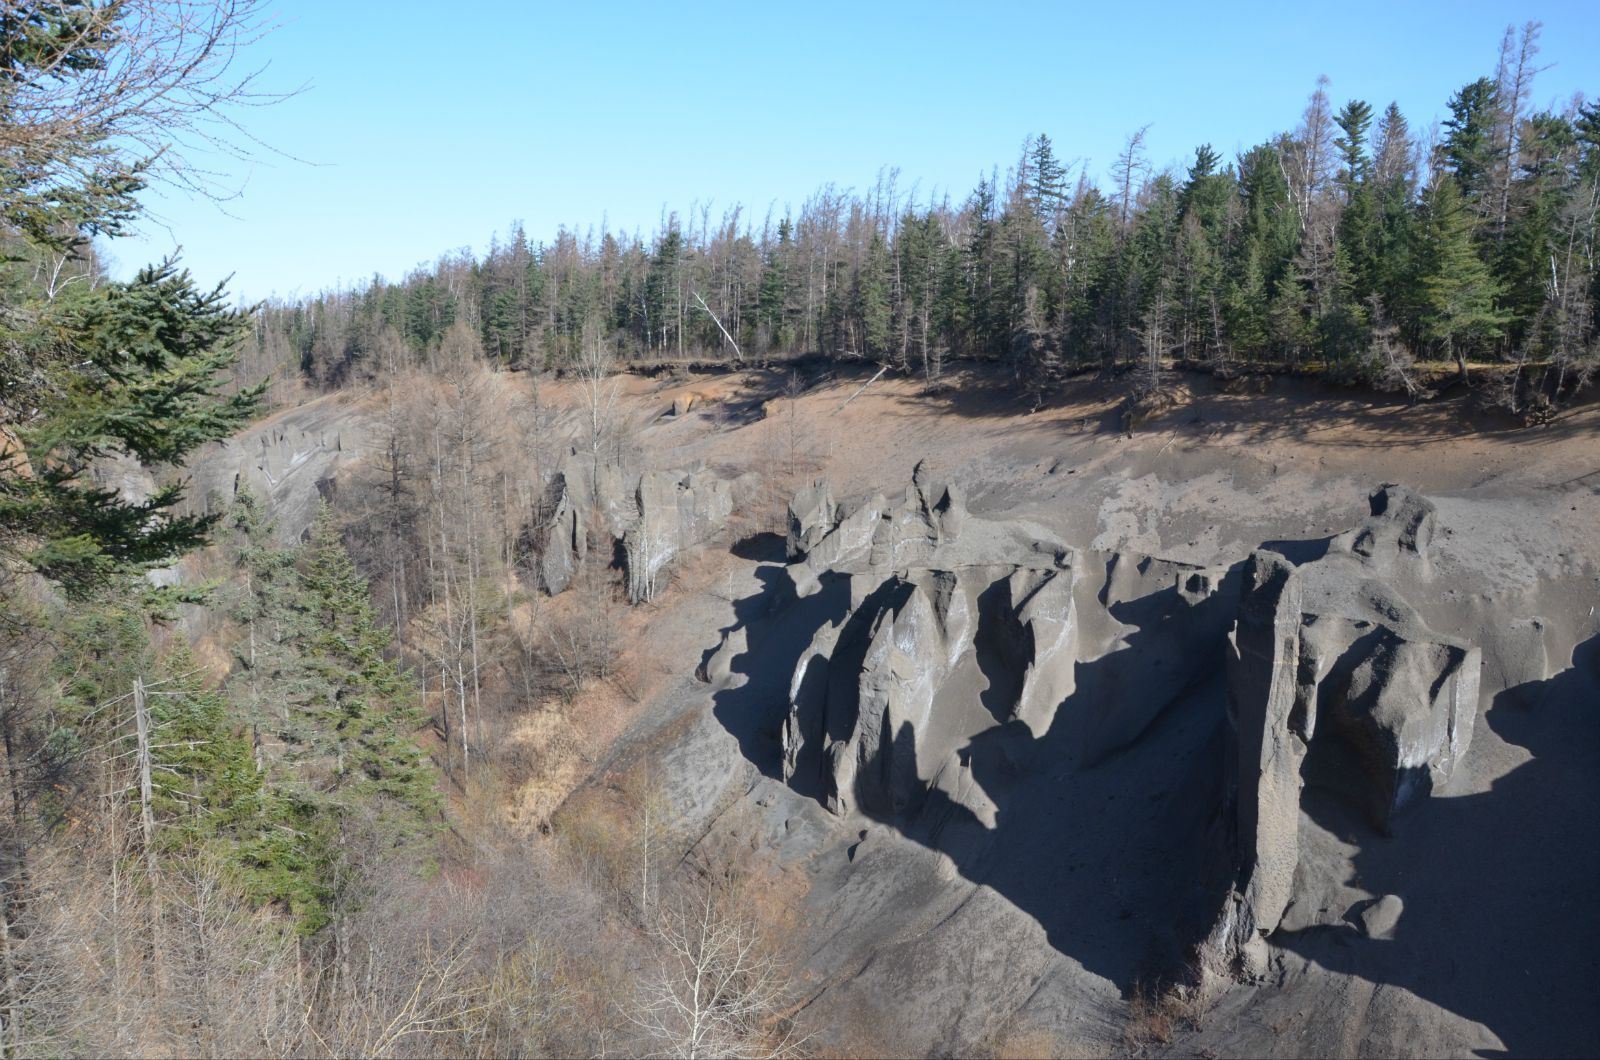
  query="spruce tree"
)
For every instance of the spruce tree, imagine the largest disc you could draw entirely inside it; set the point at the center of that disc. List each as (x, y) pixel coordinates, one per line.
(211, 798)
(1261, 252)
(132, 369)
(984, 321)
(1470, 147)
(1089, 241)
(1457, 292)
(772, 301)
(1528, 261)
(366, 716)
(1360, 242)
(1047, 184)
(96, 369)
(271, 681)
(1203, 206)
(871, 299)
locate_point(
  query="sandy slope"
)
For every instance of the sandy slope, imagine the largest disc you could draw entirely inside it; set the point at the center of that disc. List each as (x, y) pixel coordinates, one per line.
(913, 954)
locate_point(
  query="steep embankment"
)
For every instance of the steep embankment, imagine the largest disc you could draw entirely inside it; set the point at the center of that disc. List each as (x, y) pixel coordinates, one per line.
(290, 460)
(1072, 856)
(1203, 706)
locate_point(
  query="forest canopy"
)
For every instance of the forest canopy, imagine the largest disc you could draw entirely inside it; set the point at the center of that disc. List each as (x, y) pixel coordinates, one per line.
(1353, 244)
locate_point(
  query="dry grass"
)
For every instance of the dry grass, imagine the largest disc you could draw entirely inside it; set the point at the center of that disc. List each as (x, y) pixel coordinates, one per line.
(1158, 1014)
(543, 760)
(597, 831)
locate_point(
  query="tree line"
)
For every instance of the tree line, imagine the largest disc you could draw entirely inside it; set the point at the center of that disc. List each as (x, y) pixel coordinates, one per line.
(1354, 245)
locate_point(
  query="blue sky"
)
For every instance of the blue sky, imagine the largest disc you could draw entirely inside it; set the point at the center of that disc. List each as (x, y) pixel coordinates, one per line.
(420, 133)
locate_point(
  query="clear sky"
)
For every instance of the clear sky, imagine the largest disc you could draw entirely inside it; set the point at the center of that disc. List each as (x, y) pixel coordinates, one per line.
(426, 127)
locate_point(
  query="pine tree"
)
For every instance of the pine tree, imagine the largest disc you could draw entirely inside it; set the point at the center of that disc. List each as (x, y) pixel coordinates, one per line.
(1207, 191)
(1355, 262)
(1353, 120)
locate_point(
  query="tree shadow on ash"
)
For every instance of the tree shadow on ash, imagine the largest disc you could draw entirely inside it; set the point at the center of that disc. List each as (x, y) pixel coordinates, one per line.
(1110, 859)
(1499, 922)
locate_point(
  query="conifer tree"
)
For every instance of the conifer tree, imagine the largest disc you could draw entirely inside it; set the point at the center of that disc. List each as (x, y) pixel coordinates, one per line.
(1086, 245)
(211, 798)
(88, 371)
(981, 312)
(772, 301)
(1047, 184)
(1300, 247)
(1354, 119)
(1261, 252)
(1528, 260)
(1203, 204)
(131, 369)
(871, 299)
(1457, 292)
(1470, 146)
(270, 679)
(366, 714)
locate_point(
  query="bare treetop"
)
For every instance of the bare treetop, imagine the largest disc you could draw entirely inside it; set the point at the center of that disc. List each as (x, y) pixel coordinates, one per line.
(131, 86)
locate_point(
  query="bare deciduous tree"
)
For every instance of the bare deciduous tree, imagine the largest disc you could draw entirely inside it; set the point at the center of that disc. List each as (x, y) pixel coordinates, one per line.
(581, 641)
(429, 995)
(601, 390)
(718, 989)
(1390, 366)
(1127, 170)
(1514, 75)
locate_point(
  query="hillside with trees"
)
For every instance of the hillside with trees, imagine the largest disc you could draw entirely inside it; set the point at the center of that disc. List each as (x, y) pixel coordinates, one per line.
(1354, 245)
(238, 822)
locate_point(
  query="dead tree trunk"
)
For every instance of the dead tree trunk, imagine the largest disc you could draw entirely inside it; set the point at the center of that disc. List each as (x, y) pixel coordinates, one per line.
(738, 355)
